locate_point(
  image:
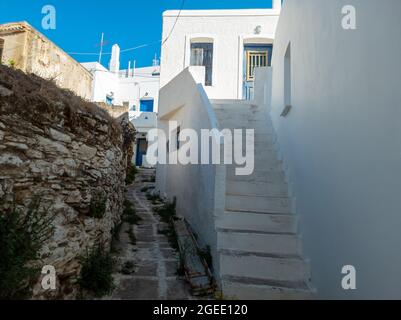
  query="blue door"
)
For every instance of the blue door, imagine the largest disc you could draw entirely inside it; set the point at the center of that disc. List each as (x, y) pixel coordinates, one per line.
(255, 55)
(147, 105)
(141, 150)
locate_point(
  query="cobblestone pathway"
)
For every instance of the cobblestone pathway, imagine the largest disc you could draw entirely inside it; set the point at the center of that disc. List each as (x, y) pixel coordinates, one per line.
(151, 264)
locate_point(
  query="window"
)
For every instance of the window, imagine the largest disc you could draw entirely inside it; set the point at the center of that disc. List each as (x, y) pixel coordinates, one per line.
(202, 55)
(110, 99)
(1, 49)
(147, 105)
(287, 77)
(255, 59)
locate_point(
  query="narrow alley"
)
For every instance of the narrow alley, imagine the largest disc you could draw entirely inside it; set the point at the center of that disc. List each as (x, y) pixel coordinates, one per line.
(146, 266)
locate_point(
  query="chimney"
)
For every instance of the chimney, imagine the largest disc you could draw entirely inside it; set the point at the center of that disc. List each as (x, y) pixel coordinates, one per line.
(115, 59)
(129, 69)
(277, 5)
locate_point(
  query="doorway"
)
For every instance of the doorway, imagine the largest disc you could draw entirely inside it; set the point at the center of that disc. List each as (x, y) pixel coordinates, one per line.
(255, 56)
(141, 150)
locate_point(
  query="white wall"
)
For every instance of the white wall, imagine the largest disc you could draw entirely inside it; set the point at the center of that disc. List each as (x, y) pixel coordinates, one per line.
(196, 187)
(126, 89)
(104, 81)
(229, 29)
(341, 141)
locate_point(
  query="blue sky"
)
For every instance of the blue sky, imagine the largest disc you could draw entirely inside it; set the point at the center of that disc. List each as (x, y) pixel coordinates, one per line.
(129, 23)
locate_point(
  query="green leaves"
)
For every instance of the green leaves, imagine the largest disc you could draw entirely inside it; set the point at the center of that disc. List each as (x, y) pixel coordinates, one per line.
(96, 273)
(22, 235)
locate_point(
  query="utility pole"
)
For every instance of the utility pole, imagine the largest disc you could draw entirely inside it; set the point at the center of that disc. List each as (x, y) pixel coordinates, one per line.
(101, 49)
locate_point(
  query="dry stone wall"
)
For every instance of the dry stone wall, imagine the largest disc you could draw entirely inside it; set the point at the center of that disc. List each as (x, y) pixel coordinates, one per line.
(68, 153)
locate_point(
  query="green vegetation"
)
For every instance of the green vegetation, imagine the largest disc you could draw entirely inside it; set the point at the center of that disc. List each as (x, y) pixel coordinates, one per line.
(97, 207)
(131, 174)
(96, 273)
(147, 188)
(129, 214)
(167, 214)
(132, 236)
(128, 268)
(115, 232)
(22, 235)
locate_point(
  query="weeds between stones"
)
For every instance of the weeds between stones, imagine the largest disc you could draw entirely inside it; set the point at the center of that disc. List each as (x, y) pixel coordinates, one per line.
(128, 268)
(129, 215)
(22, 236)
(96, 273)
(132, 236)
(131, 174)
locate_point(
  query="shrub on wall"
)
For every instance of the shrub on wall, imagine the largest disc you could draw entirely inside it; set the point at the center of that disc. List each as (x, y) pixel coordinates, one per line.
(22, 235)
(97, 207)
(131, 173)
(96, 273)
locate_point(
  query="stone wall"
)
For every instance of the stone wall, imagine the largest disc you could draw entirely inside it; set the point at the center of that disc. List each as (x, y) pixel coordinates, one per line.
(67, 152)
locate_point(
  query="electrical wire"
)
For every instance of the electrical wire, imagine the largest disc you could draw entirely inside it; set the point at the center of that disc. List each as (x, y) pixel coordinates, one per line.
(142, 45)
(175, 23)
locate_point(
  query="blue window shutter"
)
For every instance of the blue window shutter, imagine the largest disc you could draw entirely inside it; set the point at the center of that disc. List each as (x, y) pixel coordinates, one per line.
(146, 105)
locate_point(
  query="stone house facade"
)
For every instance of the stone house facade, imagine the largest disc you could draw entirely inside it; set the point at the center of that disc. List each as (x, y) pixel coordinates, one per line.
(25, 48)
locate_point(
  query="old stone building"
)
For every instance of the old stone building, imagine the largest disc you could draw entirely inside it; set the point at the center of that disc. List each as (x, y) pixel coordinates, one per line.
(23, 47)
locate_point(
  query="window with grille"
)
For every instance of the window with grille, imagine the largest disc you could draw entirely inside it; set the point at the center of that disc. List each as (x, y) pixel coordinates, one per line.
(202, 55)
(255, 59)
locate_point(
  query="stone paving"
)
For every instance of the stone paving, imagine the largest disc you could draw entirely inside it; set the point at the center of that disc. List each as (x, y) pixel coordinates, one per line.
(154, 261)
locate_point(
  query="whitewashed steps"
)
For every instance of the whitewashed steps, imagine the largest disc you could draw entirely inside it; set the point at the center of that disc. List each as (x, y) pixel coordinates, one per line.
(276, 176)
(273, 267)
(258, 204)
(254, 289)
(253, 222)
(257, 189)
(257, 241)
(267, 243)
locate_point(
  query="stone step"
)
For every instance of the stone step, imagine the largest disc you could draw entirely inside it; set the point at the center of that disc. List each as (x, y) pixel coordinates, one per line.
(244, 116)
(257, 188)
(273, 169)
(253, 289)
(272, 176)
(261, 160)
(258, 204)
(238, 240)
(258, 127)
(261, 142)
(253, 222)
(222, 103)
(263, 267)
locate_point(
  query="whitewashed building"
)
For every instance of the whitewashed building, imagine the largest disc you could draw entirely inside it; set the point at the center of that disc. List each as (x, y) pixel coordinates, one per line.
(229, 43)
(135, 90)
(320, 215)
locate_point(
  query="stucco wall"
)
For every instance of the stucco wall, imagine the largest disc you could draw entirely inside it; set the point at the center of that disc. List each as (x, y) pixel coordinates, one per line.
(126, 89)
(34, 53)
(196, 187)
(341, 141)
(229, 29)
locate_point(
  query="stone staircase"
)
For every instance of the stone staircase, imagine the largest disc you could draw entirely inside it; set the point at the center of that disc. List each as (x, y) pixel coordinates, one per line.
(259, 248)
